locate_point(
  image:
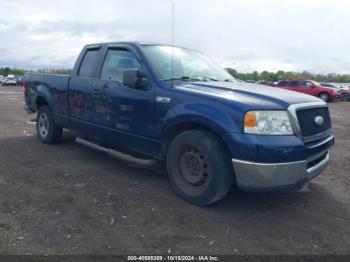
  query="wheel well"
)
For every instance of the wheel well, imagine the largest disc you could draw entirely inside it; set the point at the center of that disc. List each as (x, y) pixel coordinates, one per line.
(323, 92)
(180, 128)
(40, 101)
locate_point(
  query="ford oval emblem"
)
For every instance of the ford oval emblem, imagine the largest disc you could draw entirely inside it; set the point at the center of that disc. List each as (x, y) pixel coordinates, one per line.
(319, 120)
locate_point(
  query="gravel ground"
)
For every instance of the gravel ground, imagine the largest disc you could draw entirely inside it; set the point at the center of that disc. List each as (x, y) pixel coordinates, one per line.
(67, 199)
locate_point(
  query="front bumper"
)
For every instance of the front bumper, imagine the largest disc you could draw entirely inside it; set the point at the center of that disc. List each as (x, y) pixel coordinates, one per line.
(277, 176)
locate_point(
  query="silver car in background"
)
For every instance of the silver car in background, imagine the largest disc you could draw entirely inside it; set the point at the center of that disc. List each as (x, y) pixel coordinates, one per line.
(2, 79)
(11, 80)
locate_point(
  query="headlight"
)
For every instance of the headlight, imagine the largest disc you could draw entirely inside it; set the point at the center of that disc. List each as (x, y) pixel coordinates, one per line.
(267, 123)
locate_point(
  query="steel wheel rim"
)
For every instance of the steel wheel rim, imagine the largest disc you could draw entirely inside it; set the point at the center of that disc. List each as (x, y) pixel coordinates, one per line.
(43, 125)
(192, 169)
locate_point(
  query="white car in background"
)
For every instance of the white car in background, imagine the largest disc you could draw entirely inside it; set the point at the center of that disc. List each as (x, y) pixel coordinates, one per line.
(10, 80)
(341, 85)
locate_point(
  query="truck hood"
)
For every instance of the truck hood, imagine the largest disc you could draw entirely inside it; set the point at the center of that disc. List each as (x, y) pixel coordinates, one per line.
(260, 96)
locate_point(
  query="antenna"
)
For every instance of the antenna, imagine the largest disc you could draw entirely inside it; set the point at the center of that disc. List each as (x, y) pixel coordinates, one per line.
(172, 39)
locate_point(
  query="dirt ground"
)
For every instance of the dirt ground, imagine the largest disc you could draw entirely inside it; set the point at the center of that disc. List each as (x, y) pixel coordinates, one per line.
(67, 199)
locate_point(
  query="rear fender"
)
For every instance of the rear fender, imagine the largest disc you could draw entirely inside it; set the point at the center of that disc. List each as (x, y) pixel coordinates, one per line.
(42, 93)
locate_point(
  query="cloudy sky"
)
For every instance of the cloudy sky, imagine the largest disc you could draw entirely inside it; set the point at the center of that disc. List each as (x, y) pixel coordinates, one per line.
(244, 34)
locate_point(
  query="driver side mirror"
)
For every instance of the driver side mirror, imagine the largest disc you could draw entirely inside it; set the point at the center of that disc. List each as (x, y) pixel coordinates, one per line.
(133, 78)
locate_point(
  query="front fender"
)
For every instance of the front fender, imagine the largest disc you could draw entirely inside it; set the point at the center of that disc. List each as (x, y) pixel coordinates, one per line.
(217, 120)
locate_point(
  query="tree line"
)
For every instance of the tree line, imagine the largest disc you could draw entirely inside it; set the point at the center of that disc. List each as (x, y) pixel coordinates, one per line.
(5, 71)
(55, 71)
(256, 76)
(281, 75)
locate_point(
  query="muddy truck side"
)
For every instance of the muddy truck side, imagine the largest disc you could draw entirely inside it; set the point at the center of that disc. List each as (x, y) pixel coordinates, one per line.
(153, 103)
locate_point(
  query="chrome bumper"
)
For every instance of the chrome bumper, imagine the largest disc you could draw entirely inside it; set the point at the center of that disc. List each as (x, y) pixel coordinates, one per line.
(271, 176)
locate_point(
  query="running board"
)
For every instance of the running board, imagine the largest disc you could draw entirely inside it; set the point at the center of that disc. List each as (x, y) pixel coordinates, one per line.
(117, 154)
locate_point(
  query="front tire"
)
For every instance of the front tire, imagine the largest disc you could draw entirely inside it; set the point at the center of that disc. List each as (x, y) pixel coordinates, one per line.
(199, 167)
(47, 130)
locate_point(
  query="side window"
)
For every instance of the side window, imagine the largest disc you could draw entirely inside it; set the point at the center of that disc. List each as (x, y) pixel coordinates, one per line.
(87, 64)
(116, 62)
(293, 83)
(305, 84)
(309, 84)
(282, 83)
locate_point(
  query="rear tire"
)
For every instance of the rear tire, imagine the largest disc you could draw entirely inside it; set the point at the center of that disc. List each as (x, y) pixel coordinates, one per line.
(324, 96)
(47, 130)
(199, 167)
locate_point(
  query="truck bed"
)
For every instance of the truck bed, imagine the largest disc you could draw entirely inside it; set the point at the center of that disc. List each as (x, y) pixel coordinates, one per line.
(47, 88)
(50, 86)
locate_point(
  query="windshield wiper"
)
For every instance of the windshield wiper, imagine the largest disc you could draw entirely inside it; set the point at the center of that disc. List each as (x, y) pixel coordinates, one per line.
(210, 78)
(176, 78)
(184, 78)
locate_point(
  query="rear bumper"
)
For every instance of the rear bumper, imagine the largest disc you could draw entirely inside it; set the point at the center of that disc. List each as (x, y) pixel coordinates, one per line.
(277, 176)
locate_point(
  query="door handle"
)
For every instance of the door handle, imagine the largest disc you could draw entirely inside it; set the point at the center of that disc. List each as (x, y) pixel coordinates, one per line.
(95, 91)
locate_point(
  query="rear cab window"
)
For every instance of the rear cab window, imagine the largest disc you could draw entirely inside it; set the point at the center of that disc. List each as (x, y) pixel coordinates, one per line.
(89, 60)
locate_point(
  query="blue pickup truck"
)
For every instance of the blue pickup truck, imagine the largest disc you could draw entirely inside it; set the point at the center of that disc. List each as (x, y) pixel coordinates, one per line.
(153, 103)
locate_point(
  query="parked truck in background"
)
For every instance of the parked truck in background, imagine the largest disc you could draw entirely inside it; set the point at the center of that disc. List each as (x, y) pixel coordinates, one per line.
(172, 105)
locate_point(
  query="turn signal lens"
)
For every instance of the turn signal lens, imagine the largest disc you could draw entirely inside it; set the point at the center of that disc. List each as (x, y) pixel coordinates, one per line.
(250, 120)
(24, 87)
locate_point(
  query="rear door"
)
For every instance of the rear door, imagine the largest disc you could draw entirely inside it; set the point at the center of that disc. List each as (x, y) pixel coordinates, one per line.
(282, 84)
(81, 109)
(126, 114)
(294, 86)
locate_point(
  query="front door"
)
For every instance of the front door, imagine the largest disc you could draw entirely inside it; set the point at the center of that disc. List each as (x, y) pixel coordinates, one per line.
(306, 87)
(126, 114)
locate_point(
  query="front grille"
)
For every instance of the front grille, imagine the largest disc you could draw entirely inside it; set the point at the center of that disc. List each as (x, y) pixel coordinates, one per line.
(308, 126)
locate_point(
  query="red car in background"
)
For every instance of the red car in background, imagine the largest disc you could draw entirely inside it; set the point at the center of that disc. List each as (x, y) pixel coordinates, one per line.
(311, 88)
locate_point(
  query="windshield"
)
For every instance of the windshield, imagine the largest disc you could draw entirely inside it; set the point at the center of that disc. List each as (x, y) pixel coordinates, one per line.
(315, 83)
(188, 64)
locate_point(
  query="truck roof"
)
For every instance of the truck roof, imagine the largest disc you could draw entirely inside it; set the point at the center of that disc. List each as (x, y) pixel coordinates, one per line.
(139, 43)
